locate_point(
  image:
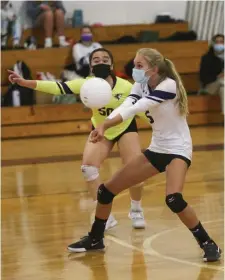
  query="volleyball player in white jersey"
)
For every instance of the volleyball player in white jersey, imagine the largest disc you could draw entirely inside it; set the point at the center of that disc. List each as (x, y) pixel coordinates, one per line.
(159, 91)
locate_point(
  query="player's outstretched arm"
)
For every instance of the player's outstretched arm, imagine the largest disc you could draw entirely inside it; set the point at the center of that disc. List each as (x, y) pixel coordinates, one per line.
(51, 87)
(15, 78)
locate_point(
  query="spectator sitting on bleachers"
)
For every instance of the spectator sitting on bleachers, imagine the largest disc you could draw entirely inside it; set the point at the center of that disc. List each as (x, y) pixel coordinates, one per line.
(212, 68)
(82, 50)
(10, 24)
(46, 14)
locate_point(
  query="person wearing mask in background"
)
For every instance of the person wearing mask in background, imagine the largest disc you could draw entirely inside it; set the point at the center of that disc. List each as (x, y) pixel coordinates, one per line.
(212, 68)
(46, 14)
(10, 24)
(82, 50)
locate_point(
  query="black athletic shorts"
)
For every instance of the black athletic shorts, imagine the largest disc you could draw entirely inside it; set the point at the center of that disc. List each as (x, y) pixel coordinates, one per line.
(131, 128)
(160, 160)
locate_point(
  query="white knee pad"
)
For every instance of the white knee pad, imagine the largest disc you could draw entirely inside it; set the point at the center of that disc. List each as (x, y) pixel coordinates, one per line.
(90, 172)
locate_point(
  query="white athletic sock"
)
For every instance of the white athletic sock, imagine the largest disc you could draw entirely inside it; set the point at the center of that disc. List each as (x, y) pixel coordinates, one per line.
(62, 39)
(48, 42)
(136, 205)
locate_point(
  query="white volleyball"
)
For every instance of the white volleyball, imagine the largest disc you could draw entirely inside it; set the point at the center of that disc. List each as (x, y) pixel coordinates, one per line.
(95, 93)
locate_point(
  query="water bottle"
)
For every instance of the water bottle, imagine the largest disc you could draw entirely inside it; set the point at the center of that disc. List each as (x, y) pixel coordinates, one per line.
(77, 20)
(16, 98)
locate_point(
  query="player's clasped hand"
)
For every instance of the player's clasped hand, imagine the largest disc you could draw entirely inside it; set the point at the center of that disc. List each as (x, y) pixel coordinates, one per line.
(97, 134)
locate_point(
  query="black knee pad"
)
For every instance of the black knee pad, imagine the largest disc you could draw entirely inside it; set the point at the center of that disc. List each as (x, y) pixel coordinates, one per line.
(104, 196)
(175, 202)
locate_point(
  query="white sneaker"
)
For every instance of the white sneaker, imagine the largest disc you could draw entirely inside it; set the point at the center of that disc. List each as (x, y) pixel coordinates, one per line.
(138, 220)
(111, 222)
(64, 44)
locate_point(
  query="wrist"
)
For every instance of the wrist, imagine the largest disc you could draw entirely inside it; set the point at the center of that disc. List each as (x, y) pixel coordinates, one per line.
(105, 124)
(23, 83)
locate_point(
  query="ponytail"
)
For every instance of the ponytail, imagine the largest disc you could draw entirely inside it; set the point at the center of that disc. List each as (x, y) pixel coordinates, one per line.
(182, 98)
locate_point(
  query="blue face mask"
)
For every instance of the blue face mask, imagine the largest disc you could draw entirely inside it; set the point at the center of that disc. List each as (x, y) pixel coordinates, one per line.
(139, 76)
(218, 48)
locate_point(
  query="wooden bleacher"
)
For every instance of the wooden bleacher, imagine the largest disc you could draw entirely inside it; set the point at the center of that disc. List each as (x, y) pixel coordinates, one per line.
(54, 120)
(43, 60)
(111, 32)
(185, 55)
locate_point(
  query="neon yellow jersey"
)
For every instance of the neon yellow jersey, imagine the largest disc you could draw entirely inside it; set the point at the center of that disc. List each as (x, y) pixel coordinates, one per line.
(119, 93)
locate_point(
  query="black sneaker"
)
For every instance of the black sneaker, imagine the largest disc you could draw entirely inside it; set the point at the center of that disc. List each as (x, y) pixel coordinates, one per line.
(212, 251)
(86, 244)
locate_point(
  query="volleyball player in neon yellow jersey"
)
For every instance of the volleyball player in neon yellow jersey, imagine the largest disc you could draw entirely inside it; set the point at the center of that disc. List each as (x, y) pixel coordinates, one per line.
(125, 134)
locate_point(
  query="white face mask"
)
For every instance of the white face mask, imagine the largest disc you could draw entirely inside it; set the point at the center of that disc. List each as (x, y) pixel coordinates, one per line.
(139, 76)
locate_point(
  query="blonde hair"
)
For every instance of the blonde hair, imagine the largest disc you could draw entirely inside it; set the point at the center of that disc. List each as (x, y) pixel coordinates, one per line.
(166, 69)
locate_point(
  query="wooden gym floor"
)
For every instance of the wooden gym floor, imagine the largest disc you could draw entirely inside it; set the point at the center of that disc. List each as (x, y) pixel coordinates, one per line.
(45, 206)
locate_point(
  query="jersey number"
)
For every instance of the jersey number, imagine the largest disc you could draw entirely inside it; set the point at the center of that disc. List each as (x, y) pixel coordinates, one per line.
(147, 114)
(105, 111)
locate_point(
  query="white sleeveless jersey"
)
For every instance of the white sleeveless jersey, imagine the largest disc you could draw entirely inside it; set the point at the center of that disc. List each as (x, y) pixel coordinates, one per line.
(171, 134)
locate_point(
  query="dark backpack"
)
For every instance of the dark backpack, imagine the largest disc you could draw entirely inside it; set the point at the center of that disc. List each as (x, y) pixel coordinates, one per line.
(180, 36)
(17, 95)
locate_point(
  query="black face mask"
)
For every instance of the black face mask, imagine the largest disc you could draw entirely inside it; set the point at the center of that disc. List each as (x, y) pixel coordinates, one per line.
(101, 70)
